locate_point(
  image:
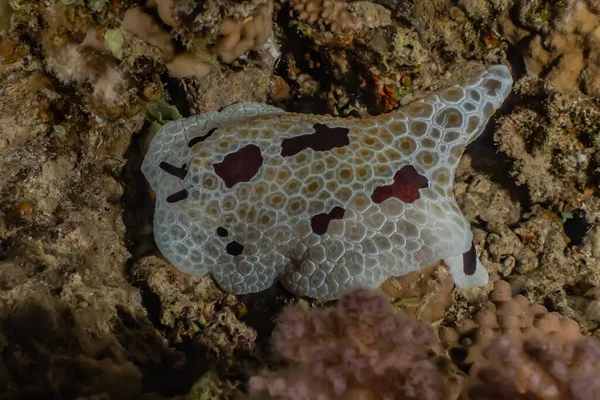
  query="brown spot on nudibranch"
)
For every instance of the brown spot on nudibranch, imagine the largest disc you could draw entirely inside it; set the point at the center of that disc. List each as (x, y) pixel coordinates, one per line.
(239, 166)
(222, 232)
(345, 174)
(470, 261)
(324, 138)
(320, 222)
(407, 182)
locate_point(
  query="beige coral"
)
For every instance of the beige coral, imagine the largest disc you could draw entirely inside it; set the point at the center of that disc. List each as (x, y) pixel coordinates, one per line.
(542, 369)
(246, 34)
(564, 47)
(518, 350)
(334, 13)
(147, 29)
(515, 317)
(425, 295)
(187, 65)
(167, 11)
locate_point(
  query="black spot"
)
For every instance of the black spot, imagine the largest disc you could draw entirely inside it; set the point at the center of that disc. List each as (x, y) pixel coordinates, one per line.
(320, 222)
(199, 139)
(222, 231)
(324, 138)
(470, 261)
(177, 196)
(239, 166)
(234, 248)
(173, 170)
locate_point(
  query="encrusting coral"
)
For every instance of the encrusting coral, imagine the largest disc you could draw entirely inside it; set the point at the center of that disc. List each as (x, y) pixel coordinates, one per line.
(334, 13)
(361, 349)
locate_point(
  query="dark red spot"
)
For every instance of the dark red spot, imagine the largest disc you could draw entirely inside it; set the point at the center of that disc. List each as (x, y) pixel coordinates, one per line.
(320, 222)
(324, 138)
(240, 166)
(234, 248)
(470, 261)
(407, 182)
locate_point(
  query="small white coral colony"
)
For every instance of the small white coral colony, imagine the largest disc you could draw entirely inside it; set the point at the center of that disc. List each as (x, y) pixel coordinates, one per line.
(252, 193)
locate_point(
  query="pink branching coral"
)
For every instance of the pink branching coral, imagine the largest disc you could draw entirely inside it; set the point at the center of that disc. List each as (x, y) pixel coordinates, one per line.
(361, 349)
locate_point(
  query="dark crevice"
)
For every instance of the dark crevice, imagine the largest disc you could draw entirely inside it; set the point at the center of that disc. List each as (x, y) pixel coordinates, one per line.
(576, 227)
(176, 93)
(313, 60)
(137, 205)
(486, 159)
(263, 307)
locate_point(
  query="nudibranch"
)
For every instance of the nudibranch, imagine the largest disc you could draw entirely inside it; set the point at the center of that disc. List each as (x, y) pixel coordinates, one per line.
(253, 194)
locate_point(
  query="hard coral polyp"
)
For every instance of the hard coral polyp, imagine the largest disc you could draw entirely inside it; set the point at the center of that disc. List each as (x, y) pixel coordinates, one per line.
(312, 167)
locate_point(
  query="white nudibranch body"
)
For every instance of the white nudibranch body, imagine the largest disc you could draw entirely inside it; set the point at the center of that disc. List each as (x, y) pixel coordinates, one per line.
(253, 194)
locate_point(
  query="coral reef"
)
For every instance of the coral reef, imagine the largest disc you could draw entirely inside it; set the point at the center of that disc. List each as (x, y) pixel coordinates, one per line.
(359, 350)
(87, 309)
(66, 307)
